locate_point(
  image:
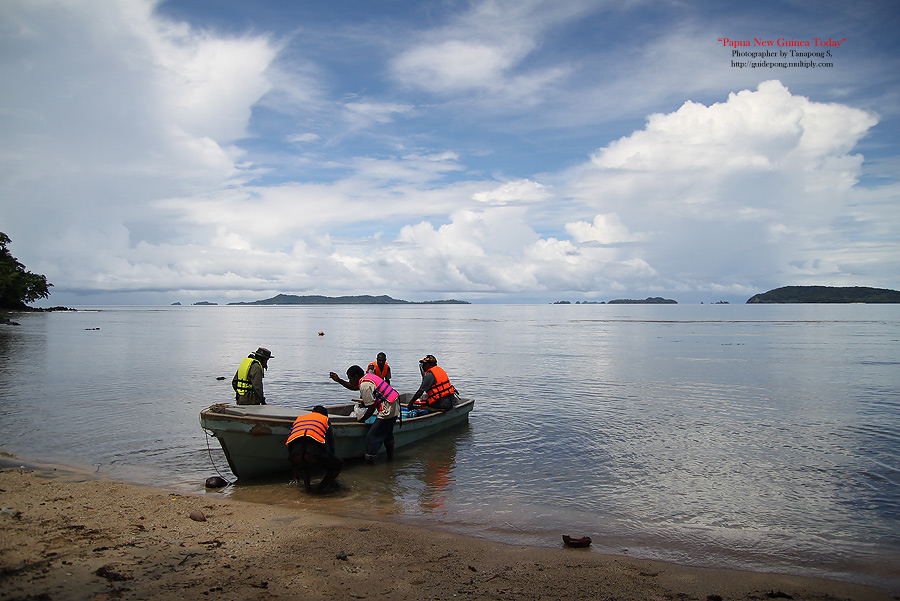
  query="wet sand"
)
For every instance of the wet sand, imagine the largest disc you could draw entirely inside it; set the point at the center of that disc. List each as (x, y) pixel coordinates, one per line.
(70, 535)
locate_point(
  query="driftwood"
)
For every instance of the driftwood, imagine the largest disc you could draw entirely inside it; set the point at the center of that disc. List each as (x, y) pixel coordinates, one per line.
(584, 541)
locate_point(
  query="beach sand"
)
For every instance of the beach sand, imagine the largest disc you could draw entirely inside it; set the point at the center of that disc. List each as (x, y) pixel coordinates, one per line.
(70, 535)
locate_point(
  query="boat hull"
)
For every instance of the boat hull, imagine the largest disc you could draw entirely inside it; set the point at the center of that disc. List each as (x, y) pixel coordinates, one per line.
(253, 436)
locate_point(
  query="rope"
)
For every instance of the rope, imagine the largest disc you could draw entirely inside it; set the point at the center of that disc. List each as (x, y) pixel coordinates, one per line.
(209, 451)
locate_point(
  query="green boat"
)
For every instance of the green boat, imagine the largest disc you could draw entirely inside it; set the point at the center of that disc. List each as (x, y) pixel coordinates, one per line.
(253, 436)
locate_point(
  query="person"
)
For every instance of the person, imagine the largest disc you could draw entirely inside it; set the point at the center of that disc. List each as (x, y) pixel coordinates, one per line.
(311, 442)
(440, 395)
(379, 398)
(380, 368)
(248, 381)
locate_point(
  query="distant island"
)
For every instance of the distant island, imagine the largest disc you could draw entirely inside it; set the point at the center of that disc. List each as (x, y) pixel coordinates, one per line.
(826, 294)
(293, 299)
(204, 304)
(655, 300)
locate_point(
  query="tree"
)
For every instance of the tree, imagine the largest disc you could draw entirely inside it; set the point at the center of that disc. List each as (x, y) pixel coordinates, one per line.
(18, 286)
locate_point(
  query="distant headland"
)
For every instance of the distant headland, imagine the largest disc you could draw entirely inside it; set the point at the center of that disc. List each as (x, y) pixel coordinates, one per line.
(826, 294)
(652, 300)
(365, 299)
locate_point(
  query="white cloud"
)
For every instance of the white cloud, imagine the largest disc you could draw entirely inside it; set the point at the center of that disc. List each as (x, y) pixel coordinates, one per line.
(605, 229)
(122, 143)
(738, 190)
(484, 50)
(208, 85)
(363, 113)
(106, 88)
(457, 65)
(767, 129)
(520, 191)
(654, 224)
(304, 138)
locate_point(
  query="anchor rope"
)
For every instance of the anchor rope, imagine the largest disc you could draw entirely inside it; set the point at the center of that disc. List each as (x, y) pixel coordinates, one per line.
(209, 452)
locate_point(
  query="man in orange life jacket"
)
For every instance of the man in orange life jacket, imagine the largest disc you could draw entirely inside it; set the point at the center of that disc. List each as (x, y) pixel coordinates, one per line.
(380, 368)
(440, 393)
(378, 396)
(311, 442)
(247, 381)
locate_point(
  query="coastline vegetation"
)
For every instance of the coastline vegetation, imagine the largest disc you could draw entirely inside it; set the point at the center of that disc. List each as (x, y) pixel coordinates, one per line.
(18, 286)
(652, 300)
(365, 299)
(826, 294)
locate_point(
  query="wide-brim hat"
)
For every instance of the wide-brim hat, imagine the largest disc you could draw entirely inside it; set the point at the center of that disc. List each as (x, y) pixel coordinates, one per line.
(263, 353)
(428, 359)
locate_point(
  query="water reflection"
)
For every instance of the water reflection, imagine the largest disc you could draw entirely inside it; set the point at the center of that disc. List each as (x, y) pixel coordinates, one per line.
(418, 482)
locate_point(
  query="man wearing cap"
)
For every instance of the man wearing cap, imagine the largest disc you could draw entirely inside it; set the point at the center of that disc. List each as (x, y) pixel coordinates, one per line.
(248, 381)
(440, 395)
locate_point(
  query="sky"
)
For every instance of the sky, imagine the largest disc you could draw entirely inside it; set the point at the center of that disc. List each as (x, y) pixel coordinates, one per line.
(522, 151)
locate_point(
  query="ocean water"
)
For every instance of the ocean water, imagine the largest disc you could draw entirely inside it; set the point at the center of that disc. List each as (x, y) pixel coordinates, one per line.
(763, 437)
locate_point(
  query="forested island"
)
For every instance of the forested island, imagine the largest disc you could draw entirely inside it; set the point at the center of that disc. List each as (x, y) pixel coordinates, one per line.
(826, 294)
(365, 299)
(653, 300)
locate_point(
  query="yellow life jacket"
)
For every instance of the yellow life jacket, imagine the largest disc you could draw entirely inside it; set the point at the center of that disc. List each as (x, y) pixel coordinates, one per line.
(244, 385)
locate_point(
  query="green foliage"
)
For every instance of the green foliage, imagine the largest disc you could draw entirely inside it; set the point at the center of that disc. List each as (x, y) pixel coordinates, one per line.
(18, 286)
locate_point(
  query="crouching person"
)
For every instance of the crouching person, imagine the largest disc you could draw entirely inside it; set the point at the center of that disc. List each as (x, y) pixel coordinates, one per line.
(311, 442)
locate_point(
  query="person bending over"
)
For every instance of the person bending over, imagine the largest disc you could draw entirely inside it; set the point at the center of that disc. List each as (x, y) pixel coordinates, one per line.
(310, 443)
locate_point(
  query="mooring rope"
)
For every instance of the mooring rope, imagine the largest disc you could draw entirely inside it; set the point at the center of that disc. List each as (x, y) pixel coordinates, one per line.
(209, 452)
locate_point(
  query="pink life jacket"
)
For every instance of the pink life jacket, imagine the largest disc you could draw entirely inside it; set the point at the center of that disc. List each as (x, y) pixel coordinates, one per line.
(384, 392)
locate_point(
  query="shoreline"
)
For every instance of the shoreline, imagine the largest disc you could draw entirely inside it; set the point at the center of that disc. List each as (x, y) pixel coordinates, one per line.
(69, 534)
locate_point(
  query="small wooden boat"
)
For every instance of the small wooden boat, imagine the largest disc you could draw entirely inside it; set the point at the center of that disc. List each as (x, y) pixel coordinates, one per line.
(253, 436)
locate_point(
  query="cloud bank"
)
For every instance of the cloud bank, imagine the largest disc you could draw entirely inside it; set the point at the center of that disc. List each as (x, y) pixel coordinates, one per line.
(131, 173)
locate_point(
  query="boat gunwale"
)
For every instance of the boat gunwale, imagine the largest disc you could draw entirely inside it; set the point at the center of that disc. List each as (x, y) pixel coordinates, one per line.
(336, 420)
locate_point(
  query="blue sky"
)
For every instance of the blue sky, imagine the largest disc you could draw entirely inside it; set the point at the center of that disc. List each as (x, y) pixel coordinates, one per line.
(522, 151)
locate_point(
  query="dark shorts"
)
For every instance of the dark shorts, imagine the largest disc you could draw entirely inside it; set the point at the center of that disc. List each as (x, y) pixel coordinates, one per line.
(445, 403)
(381, 433)
(305, 451)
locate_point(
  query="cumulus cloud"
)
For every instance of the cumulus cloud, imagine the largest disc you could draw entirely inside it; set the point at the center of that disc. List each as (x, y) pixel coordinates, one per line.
(605, 229)
(760, 130)
(113, 109)
(513, 192)
(754, 181)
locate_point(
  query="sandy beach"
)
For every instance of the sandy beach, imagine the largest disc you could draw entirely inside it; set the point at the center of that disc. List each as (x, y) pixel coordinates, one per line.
(71, 535)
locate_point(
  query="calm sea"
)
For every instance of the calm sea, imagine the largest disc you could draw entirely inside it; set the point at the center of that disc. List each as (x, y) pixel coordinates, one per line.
(764, 437)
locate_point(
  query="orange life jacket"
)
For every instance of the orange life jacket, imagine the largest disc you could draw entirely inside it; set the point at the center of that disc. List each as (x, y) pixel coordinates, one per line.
(378, 372)
(312, 424)
(442, 386)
